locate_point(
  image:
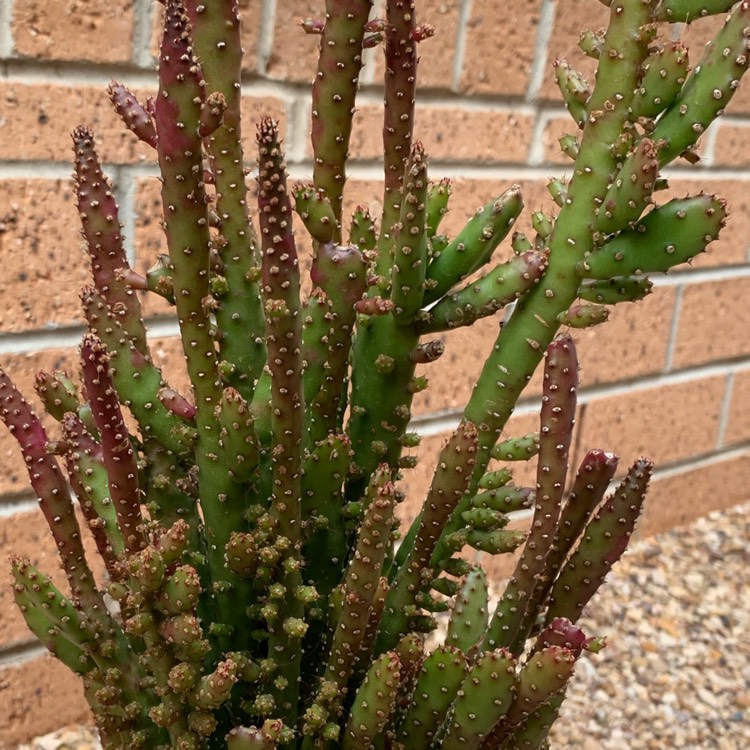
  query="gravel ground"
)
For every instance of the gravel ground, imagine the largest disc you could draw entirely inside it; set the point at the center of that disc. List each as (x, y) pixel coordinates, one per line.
(676, 670)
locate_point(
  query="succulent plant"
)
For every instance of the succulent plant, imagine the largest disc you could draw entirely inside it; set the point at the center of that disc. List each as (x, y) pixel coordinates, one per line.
(257, 592)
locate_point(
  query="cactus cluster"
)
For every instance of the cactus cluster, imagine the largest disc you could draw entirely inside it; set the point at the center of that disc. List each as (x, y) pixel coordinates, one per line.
(256, 591)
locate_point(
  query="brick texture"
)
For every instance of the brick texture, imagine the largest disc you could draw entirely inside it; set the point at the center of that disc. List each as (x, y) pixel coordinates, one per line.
(38, 697)
(103, 31)
(668, 377)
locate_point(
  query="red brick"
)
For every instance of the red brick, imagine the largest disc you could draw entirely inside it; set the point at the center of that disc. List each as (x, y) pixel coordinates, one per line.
(451, 134)
(667, 423)
(714, 321)
(738, 424)
(39, 118)
(496, 61)
(682, 498)
(38, 697)
(95, 30)
(43, 265)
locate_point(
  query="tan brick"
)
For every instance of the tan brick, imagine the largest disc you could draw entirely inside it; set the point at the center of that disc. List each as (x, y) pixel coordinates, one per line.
(436, 55)
(738, 424)
(38, 119)
(450, 134)
(732, 146)
(38, 697)
(496, 62)
(22, 369)
(43, 266)
(714, 321)
(570, 19)
(294, 54)
(680, 499)
(102, 30)
(666, 423)
(632, 343)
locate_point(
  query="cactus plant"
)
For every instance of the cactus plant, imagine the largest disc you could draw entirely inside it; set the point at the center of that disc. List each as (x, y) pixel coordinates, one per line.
(254, 594)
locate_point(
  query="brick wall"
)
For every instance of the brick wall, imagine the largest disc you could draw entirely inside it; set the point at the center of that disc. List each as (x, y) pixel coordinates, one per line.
(669, 377)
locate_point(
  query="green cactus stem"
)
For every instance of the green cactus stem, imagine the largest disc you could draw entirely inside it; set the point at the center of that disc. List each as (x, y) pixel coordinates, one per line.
(557, 419)
(533, 323)
(487, 692)
(137, 380)
(410, 240)
(322, 497)
(238, 438)
(437, 205)
(400, 83)
(437, 684)
(280, 287)
(239, 315)
(57, 392)
(473, 246)
(340, 273)
(505, 499)
(358, 590)
(591, 482)
(177, 115)
(135, 115)
(630, 192)
(685, 11)
(117, 450)
(448, 486)
(333, 94)
(101, 230)
(52, 492)
(575, 90)
(615, 289)
(62, 628)
(603, 541)
(584, 315)
(470, 614)
(544, 676)
(373, 704)
(592, 43)
(316, 213)
(666, 69)
(708, 88)
(667, 236)
(516, 449)
(88, 477)
(493, 291)
(362, 230)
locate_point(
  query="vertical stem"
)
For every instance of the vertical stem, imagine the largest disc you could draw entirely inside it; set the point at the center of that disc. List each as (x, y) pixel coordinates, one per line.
(281, 291)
